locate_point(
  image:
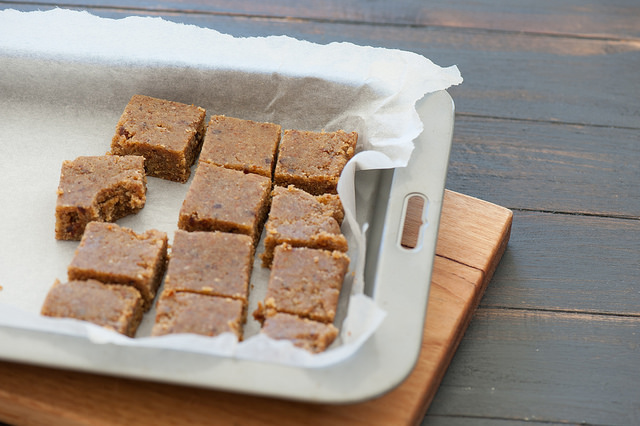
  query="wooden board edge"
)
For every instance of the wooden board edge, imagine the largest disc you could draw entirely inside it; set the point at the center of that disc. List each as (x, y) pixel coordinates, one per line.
(473, 231)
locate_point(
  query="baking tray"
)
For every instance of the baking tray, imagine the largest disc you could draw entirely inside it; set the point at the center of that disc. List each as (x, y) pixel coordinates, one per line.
(396, 278)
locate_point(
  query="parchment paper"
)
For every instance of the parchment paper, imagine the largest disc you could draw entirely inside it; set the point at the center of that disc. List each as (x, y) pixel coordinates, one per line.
(65, 78)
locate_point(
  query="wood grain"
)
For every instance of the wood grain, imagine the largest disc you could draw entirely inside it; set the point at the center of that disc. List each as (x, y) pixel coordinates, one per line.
(547, 167)
(563, 273)
(468, 237)
(509, 75)
(42, 396)
(588, 18)
(541, 366)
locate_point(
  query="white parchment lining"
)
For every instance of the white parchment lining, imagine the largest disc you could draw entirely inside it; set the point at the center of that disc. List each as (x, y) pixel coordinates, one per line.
(65, 78)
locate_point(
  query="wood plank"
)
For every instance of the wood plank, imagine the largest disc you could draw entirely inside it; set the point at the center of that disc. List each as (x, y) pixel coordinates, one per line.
(433, 420)
(545, 166)
(508, 75)
(569, 263)
(468, 236)
(545, 366)
(36, 395)
(588, 18)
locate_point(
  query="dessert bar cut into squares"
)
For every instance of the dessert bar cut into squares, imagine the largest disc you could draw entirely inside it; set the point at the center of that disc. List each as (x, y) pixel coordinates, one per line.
(212, 263)
(113, 254)
(113, 306)
(312, 336)
(226, 200)
(304, 282)
(239, 144)
(313, 161)
(167, 134)
(302, 220)
(184, 312)
(98, 188)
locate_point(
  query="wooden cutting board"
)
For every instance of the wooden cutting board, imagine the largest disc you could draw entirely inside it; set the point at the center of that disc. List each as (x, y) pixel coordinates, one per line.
(473, 236)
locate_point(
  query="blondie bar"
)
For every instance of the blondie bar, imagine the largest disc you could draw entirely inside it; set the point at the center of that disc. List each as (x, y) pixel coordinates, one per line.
(302, 220)
(167, 134)
(184, 312)
(312, 336)
(313, 161)
(304, 282)
(98, 188)
(212, 263)
(226, 200)
(113, 254)
(112, 306)
(239, 144)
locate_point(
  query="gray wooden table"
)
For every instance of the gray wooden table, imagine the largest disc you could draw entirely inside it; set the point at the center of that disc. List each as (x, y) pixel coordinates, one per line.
(548, 125)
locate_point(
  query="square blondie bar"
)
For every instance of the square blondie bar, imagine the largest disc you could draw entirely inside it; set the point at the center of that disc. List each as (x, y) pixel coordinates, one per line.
(113, 306)
(184, 312)
(113, 254)
(303, 220)
(98, 188)
(313, 161)
(167, 134)
(238, 144)
(226, 200)
(211, 263)
(304, 282)
(312, 336)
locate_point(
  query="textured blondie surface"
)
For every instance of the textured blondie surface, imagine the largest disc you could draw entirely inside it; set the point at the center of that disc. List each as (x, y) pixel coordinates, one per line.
(167, 134)
(98, 188)
(113, 306)
(312, 336)
(113, 254)
(212, 263)
(241, 144)
(183, 312)
(303, 220)
(313, 161)
(226, 200)
(304, 282)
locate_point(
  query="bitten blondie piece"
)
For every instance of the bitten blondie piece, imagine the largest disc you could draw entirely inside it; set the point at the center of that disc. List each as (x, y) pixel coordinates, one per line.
(112, 306)
(304, 282)
(168, 134)
(183, 312)
(302, 220)
(211, 263)
(112, 254)
(313, 161)
(98, 188)
(241, 144)
(310, 335)
(226, 200)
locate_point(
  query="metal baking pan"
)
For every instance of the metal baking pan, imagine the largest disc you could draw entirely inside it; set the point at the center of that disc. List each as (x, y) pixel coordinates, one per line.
(397, 278)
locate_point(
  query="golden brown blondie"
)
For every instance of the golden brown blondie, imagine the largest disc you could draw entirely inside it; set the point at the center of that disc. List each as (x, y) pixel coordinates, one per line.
(226, 200)
(113, 254)
(313, 161)
(167, 134)
(112, 306)
(304, 282)
(211, 263)
(312, 336)
(98, 188)
(238, 144)
(184, 312)
(302, 220)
